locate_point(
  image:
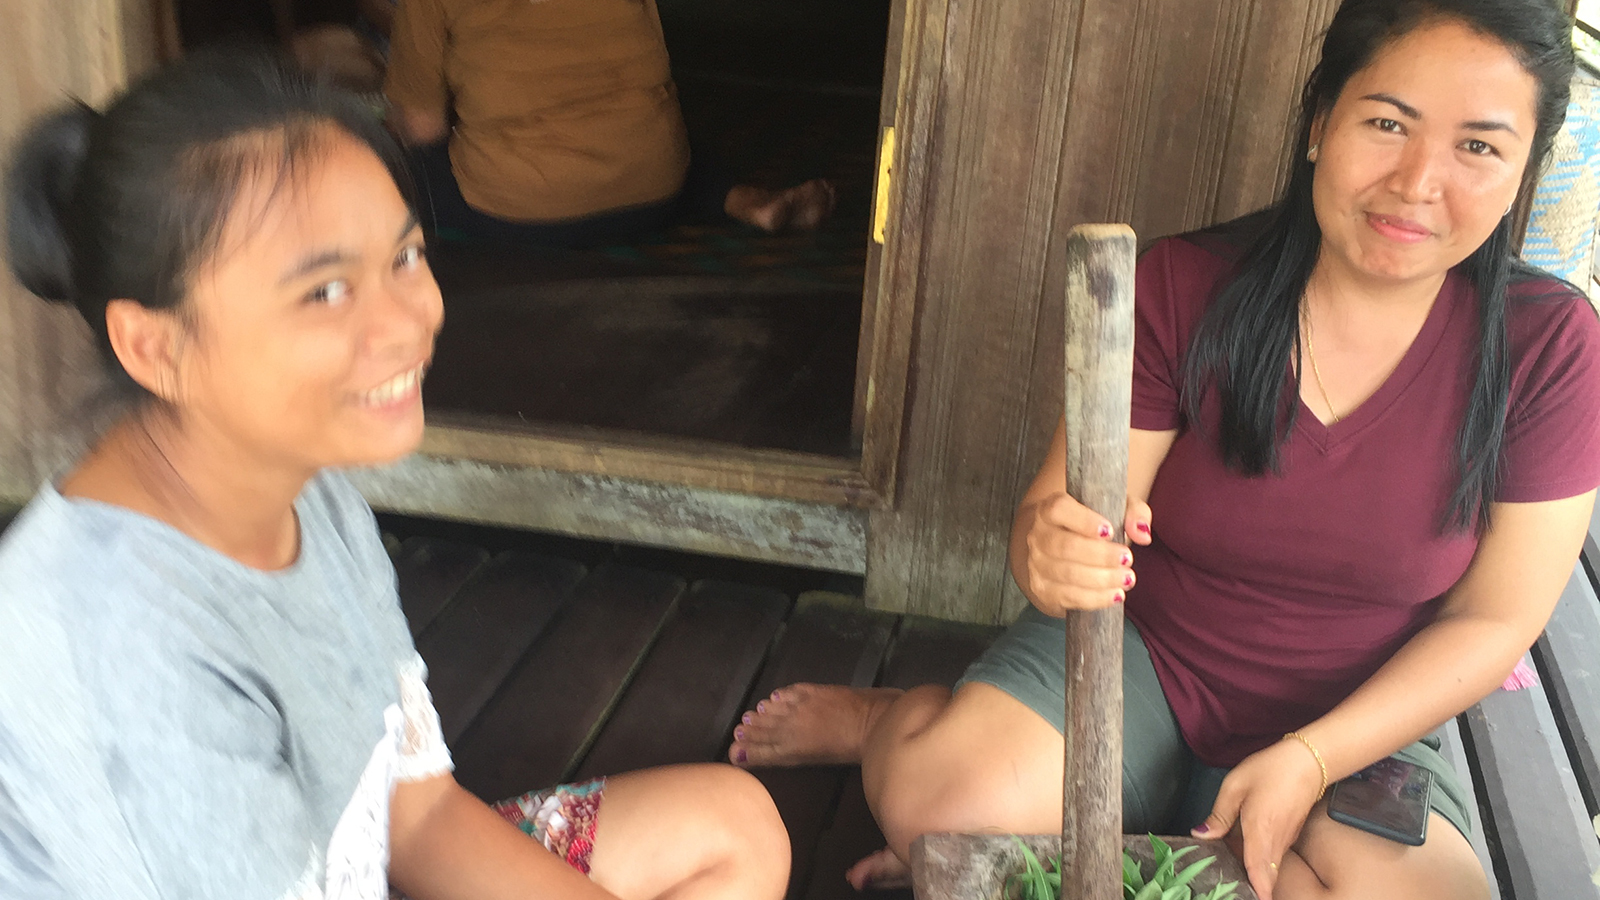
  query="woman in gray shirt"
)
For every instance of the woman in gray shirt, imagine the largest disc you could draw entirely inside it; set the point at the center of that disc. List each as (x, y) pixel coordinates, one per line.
(207, 688)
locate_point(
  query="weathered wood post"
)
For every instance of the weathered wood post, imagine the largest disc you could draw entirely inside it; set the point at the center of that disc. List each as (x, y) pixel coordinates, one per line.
(1099, 369)
(1099, 372)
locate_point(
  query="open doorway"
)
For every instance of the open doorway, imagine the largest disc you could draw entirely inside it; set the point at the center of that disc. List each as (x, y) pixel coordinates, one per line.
(708, 329)
(709, 343)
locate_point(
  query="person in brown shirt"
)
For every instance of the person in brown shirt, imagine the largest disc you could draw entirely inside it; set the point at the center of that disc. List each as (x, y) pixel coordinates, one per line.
(566, 124)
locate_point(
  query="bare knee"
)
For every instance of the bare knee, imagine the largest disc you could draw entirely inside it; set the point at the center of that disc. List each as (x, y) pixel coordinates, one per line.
(907, 719)
(744, 832)
(707, 830)
(937, 766)
(958, 798)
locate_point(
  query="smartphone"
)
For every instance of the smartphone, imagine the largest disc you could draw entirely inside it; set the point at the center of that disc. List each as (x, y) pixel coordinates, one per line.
(1388, 798)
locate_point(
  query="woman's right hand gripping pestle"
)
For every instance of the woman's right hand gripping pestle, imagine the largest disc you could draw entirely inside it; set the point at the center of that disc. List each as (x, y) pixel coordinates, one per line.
(1072, 562)
(1062, 552)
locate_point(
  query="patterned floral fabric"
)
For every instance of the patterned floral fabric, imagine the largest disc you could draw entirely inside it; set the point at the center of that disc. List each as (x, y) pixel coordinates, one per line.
(562, 818)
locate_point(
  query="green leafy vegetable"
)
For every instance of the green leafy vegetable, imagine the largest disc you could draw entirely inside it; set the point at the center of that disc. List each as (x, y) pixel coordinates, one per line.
(1041, 879)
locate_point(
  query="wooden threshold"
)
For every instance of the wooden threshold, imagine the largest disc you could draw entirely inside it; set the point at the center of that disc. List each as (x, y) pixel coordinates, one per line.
(829, 536)
(716, 466)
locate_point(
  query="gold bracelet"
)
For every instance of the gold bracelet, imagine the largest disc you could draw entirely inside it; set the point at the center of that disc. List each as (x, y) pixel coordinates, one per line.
(1318, 756)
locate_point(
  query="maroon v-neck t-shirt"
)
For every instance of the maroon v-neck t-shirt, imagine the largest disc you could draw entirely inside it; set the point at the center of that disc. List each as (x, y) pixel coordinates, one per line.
(1265, 601)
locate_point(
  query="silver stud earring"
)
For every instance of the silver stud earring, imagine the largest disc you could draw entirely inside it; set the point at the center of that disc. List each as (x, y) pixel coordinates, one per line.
(1311, 155)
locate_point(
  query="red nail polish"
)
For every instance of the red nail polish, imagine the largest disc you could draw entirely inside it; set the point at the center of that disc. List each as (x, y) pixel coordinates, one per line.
(1105, 531)
(1144, 527)
(1127, 580)
(1119, 598)
(1127, 559)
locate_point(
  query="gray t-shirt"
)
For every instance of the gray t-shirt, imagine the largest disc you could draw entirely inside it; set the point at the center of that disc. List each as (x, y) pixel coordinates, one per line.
(175, 724)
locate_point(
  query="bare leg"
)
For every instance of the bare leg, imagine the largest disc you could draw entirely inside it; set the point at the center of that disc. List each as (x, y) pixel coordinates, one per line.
(1336, 862)
(929, 762)
(707, 832)
(800, 208)
(974, 761)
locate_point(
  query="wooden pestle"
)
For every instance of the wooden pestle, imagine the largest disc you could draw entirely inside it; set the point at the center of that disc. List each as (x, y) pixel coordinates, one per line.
(1099, 371)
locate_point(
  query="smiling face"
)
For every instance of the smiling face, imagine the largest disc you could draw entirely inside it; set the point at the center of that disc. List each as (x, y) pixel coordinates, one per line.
(313, 323)
(1422, 153)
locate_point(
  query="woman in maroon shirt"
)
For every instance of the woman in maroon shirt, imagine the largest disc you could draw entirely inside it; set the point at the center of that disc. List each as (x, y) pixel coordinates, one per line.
(1364, 449)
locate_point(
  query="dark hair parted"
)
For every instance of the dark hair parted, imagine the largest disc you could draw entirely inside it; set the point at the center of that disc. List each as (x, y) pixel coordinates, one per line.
(1243, 344)
(128, 203)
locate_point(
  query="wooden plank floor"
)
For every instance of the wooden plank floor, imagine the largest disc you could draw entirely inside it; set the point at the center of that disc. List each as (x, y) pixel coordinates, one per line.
(554, 660)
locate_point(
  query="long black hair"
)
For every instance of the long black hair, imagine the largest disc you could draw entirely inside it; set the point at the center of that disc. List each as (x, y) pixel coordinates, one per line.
(127, 203)
(1243, 343)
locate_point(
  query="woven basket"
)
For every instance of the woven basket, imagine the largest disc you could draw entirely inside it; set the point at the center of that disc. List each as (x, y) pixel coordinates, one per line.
(1561, 230)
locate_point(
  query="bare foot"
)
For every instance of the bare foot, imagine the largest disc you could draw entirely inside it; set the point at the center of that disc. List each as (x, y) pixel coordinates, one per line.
(882, 871)
(811, 204)
(809, 724)
(800, 208)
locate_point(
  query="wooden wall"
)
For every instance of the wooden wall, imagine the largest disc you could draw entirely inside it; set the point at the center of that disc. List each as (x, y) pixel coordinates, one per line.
(52, 50)
(1167, 114)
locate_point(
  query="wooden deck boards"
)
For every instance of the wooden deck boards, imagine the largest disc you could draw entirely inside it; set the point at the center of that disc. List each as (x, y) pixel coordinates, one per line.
(430, 572)
(478, 638)
(587, 660)
(694, 681)
(544, 716)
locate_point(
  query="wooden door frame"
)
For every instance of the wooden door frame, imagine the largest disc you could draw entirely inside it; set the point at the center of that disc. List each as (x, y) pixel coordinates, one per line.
(784, 507)
(883, 356)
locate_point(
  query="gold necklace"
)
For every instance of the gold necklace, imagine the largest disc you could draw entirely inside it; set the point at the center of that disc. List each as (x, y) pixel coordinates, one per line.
(1305, 321)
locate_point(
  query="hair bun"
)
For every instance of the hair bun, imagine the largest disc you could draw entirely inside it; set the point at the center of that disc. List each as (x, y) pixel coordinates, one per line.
(38, 196)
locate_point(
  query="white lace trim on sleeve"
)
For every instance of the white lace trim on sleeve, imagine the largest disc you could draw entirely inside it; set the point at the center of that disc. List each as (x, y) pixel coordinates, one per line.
(309, 885)
(423, 753)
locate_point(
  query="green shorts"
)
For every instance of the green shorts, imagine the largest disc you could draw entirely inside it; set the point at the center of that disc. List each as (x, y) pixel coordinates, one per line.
(1165, 789)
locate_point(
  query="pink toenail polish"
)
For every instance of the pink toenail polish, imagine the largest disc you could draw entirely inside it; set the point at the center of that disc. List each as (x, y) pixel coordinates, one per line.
(761, 707)
(775, 695)
(1119, 598)
(747, 719)
(1127, 581)
(1127, 559)
(1105, 531)
(1144, 527)
(742, 756)
(738, 734)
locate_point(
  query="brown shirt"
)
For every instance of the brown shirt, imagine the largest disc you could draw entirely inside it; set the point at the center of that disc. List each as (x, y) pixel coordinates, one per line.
(564, 108)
